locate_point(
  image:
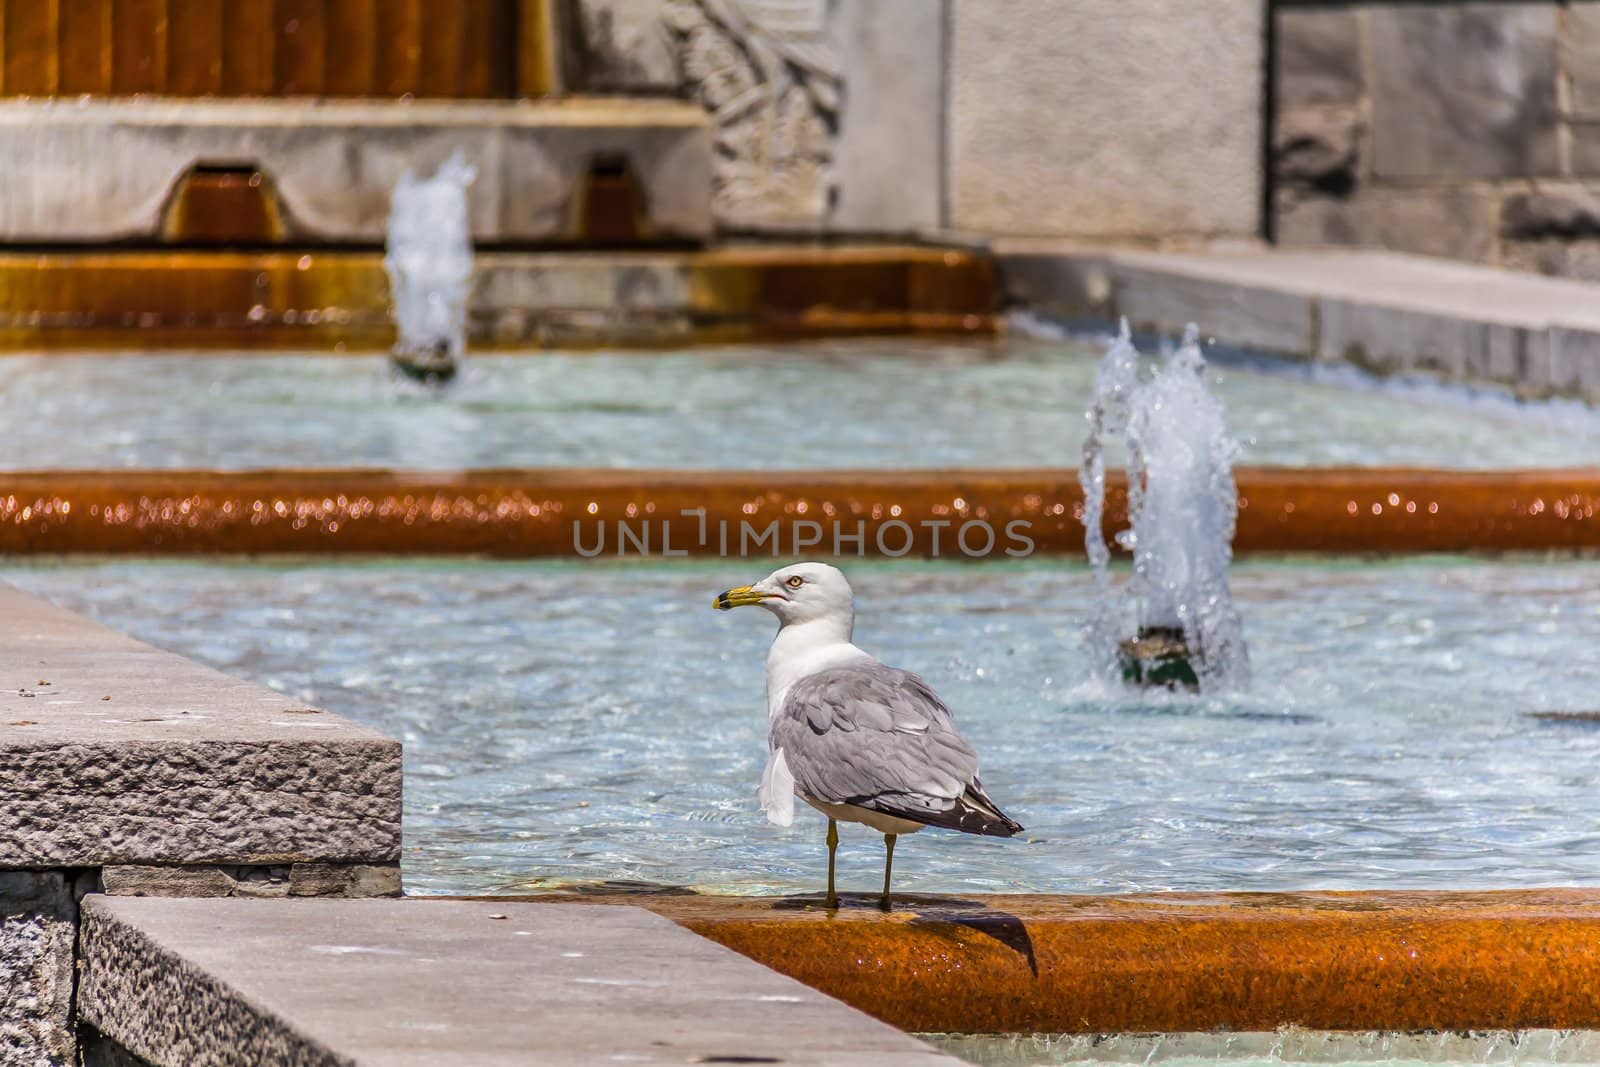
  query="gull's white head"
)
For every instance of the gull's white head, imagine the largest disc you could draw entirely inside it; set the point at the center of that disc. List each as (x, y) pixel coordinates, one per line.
(800, 592)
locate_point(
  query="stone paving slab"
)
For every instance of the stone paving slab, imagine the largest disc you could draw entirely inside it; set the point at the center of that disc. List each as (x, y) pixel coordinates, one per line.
(402, 982)
(115, 752)
(1385, 311)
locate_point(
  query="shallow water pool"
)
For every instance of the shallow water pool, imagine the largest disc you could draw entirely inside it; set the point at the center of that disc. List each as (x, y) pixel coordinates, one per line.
(858, 403)
(1291, 1045)
(574, 723)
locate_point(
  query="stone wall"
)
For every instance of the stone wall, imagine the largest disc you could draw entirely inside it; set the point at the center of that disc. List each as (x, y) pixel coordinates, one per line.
(1461, 129)
(1097, 118)
(38, 925)
(826, 113)
(1125, 119)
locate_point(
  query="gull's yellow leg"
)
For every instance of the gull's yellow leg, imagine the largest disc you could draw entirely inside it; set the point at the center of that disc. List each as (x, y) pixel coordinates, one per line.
(833, 846)
(888, 865)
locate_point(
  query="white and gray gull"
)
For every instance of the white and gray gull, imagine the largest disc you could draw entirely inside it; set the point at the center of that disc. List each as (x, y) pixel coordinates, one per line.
(856, 739)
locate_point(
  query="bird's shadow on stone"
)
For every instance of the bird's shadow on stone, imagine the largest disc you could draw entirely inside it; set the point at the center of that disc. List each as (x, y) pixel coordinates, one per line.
(941, 916)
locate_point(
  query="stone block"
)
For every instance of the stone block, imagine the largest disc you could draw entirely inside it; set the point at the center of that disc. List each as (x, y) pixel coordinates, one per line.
(1489, 112)
(1318, 149)
(1318, 56)
(38, 922)
(888, 160)
(1063, 284)
(1554, 256)
(104, 170)
(1580, 53)
(135, 756)
(1395, 340)
(1585, 148)
(139, 880)
(829, 115)
(1564, 212)
(1106, 118)
(623, 47)
(1455, 223)
(344, 880)
(673, 165)
(1575, 362)
(494, 984)
(1163, 300)
(298, 880)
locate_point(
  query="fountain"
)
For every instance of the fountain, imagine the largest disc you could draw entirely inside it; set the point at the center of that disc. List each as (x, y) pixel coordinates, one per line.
(429, 261)
(1182, 506)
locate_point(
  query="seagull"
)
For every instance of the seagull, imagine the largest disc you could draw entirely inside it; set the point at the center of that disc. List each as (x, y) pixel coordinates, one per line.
(856, 739)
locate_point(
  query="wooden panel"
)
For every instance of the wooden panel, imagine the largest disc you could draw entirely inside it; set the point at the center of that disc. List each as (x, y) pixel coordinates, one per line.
(85, 47)
(399, 46)
(352, 68)
(534, 53)
(501, 45)
(488, 33)
(32, 59)
(194, 47)
(249, 48)
(435, 48)
(441, 49)
(302, 47)
(139, 46)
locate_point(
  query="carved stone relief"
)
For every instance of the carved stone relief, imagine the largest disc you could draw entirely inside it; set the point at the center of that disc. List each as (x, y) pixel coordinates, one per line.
(772, 81)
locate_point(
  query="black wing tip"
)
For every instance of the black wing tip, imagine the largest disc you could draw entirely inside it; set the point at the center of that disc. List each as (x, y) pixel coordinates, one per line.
(963, 815)
(1006, 827)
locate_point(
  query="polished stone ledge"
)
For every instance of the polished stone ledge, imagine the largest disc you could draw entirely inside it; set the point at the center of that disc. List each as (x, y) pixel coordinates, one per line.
(583, 512)
(104, 169)
(1387, 312)
(404, 982)
(113, 752)
(1180, 962)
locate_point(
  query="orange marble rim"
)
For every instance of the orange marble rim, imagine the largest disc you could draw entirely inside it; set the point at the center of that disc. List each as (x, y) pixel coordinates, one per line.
(1026, 963)
(331, 300)
(605, 513)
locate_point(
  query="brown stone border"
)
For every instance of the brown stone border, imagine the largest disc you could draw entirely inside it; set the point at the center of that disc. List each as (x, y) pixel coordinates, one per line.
(1180, 962)
(318, 299)
(531, 513)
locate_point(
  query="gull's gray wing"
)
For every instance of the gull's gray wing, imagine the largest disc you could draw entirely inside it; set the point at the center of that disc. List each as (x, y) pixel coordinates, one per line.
(880, 739)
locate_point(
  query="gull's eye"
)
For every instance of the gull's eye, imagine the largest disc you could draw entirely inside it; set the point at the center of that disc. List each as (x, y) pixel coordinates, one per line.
(796, 582)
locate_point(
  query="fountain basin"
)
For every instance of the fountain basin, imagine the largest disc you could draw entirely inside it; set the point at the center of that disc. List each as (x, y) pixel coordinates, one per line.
(1016, 963)
(567, 724)
(901, 403)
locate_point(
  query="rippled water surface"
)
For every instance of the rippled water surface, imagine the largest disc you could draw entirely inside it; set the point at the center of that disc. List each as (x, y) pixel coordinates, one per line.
(568, 723)
(861, 403)
(1488, 1048)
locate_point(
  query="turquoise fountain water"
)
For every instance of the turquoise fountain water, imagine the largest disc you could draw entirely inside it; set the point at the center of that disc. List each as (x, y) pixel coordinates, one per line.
(429, 262)
(1173, 622)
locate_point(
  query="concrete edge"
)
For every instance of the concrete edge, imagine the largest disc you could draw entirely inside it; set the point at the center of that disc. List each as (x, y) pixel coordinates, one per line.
(1384, 312)
(184, 1005)
(415, 982)
(114, 752)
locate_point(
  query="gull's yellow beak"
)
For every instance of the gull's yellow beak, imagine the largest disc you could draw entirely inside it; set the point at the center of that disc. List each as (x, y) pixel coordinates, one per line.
(738, 598)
